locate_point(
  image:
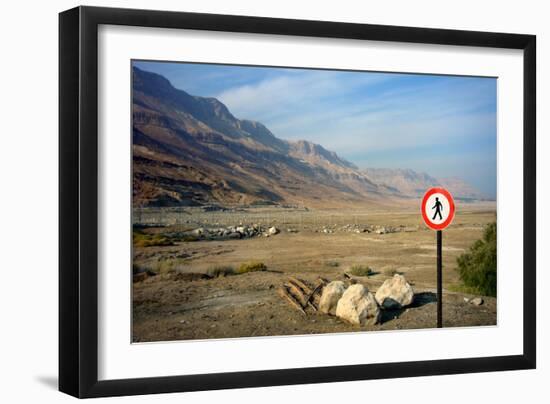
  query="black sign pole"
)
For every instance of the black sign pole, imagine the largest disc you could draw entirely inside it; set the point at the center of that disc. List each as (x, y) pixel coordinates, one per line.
(439, 280)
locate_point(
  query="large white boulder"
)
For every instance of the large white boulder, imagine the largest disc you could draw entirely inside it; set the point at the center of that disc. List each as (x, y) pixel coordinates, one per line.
(358, 306)
(395, 293)
(330, 296)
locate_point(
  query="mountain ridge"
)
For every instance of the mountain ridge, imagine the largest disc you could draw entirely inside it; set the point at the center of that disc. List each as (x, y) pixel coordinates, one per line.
(191, 150)
(414, 183)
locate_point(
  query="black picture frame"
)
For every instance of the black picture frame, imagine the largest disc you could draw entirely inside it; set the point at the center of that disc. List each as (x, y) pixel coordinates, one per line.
(78, 200)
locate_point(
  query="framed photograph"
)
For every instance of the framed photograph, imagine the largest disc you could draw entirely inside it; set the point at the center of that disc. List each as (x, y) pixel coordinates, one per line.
(251, 201)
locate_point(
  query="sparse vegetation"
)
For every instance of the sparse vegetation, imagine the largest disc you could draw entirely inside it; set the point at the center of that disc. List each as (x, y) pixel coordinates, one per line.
(252, 266)
(220, 271)
(141, 239)
(361, 270)
(164, 267)
(199, 281)
(478, 267)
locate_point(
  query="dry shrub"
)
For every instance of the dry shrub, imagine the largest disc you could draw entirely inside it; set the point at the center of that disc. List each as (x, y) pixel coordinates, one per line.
(220, 271)
(141, 239)
(361, 270)
(252, 266)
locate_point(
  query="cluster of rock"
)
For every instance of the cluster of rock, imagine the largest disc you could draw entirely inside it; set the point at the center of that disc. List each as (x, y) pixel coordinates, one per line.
(392, 229)
(230, 232)
(357, 305)
(355, 228)
(241, 231)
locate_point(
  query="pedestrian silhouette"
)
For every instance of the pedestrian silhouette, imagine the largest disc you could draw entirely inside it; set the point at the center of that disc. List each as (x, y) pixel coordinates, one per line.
(438, 208)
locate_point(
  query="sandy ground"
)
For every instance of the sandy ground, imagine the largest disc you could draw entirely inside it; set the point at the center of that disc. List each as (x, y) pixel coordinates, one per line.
(166, 307)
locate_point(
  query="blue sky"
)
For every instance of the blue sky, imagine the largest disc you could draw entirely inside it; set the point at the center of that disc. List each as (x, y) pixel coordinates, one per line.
(442, 125)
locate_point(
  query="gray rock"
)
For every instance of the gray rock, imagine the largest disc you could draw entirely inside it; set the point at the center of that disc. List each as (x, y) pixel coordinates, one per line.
(272, 231)
(395, 293)
(358, 306)
(330, 296)
(478, 301)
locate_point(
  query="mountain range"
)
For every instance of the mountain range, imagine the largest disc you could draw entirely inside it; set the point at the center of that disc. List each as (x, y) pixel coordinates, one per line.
(414, 184)
(191, 151)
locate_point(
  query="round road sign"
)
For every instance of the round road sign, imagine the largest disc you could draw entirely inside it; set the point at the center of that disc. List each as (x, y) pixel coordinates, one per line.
(438, 208)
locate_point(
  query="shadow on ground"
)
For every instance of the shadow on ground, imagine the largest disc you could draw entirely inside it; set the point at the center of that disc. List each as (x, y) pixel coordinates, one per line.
(420, 299)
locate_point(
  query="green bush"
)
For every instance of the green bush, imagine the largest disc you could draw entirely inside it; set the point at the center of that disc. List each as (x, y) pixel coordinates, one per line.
(361, 270)
(478, 267)
(221, 271)
(252, 266)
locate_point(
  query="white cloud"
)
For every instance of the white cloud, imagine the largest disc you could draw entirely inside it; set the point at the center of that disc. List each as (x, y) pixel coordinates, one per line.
(355, 114)
(291, 95)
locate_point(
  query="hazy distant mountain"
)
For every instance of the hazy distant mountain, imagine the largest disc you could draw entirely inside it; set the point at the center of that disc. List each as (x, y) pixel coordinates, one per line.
(461, 189)
(190, 150)
(412, 183)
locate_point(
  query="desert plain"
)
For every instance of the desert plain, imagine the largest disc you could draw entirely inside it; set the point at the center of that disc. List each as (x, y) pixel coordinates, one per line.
(175, 296)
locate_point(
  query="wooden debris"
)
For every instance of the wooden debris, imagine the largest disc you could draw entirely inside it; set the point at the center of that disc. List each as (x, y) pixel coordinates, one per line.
(311, 295)
(299, 294)
(310, 304)
(317, 291)
(322, 281)
(312, 300)
(283, 292)
(300, 284)
(296, 293)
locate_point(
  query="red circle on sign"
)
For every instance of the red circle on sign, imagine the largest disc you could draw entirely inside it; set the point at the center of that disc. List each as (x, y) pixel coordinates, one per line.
(451, 216)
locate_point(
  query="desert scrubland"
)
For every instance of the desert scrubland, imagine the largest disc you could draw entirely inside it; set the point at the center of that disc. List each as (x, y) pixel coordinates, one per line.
(178, 292)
